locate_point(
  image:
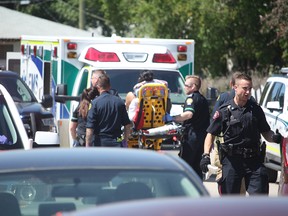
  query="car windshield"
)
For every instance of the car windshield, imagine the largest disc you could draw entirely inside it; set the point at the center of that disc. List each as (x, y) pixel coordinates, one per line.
(17, 89)
(124, 80)
(39, 192)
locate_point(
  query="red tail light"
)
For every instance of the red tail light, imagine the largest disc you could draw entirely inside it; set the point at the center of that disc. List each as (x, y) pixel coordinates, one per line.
(163, 58)
(95, 55)
(285, 151)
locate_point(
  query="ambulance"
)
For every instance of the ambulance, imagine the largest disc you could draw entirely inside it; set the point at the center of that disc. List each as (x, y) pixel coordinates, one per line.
(62, 66)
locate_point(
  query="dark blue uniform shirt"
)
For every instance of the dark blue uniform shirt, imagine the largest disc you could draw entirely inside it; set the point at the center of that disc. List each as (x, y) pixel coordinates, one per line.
(107, 115)
(198, 105)
(223, 98)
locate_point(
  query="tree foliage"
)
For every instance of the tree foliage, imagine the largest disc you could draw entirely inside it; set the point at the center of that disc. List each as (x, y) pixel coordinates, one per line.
(230, 34)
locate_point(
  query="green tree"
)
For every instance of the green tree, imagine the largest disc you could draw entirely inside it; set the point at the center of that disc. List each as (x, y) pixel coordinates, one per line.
(229, 34)
(275, 22)
(67, 12)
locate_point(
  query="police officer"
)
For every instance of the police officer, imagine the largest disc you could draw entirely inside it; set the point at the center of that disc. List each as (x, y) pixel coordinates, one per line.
(223, 98)
(241, 122)
(195, 118)
(106, 117)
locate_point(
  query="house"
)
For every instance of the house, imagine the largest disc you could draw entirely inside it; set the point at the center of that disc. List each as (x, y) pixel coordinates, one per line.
(14, 24)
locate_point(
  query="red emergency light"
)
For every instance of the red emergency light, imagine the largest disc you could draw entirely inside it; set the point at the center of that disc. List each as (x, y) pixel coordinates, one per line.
(181, 48)
(95, 55)
(35, 51)
(55, 52)
(23, 49)
(163, 58)
(71, 46)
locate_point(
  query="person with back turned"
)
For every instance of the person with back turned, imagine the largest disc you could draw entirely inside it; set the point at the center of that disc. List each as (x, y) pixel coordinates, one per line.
(106, 117)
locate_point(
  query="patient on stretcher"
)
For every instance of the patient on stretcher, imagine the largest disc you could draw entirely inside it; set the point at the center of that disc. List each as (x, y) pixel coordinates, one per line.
(149, 102)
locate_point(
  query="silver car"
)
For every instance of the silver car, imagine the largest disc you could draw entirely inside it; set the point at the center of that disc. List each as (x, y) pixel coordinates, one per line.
(49, 180)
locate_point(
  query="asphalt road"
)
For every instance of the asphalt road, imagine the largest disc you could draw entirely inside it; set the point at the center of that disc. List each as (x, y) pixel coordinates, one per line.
(211, 186)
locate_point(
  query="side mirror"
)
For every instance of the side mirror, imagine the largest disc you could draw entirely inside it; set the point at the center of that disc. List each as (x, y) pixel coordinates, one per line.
(274, 106)
(46, 139)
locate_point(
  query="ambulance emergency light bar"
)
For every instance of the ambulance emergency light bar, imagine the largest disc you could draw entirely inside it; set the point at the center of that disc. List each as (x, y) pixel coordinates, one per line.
(95, 55)
(36, 51)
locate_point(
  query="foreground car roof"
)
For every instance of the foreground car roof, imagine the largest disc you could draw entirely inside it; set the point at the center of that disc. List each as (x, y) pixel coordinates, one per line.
(49, 158)
(236, 206)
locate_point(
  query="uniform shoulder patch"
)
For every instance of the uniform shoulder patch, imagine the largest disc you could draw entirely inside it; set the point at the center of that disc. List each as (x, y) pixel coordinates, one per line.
(189, 101)
(216, 115)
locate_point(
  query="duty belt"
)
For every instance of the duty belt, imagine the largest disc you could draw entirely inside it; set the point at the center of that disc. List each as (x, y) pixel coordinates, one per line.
(231, 150)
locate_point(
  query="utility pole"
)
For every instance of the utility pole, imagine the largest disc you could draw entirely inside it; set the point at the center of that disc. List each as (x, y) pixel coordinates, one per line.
(82, 20)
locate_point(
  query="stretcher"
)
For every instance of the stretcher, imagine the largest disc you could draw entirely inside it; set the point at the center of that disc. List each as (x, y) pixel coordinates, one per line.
(150, 129)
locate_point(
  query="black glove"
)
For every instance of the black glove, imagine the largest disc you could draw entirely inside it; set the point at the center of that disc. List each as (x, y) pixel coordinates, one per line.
(205, 161)
(277, 138)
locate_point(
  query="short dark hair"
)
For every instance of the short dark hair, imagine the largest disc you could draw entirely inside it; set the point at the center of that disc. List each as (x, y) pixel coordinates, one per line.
(234, 77)
(244, 76)
(104, 82)
(146, 75)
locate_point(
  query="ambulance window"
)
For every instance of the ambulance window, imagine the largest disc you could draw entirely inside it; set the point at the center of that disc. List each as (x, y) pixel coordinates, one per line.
(83, 82)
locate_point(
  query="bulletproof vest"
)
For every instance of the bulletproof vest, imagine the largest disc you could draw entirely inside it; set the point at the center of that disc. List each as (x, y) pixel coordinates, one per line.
(240, 126)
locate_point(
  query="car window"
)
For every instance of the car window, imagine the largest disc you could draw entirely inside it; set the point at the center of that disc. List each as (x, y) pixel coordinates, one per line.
(267, 85)
(86, 188)
(277, 92)
(23, 91)
(281, 95)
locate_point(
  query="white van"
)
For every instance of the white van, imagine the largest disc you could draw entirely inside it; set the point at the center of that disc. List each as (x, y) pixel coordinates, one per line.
(274, 102)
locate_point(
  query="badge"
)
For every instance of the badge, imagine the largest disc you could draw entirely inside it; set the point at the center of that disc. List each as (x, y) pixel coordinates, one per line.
(189, 101)
(216, 115)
